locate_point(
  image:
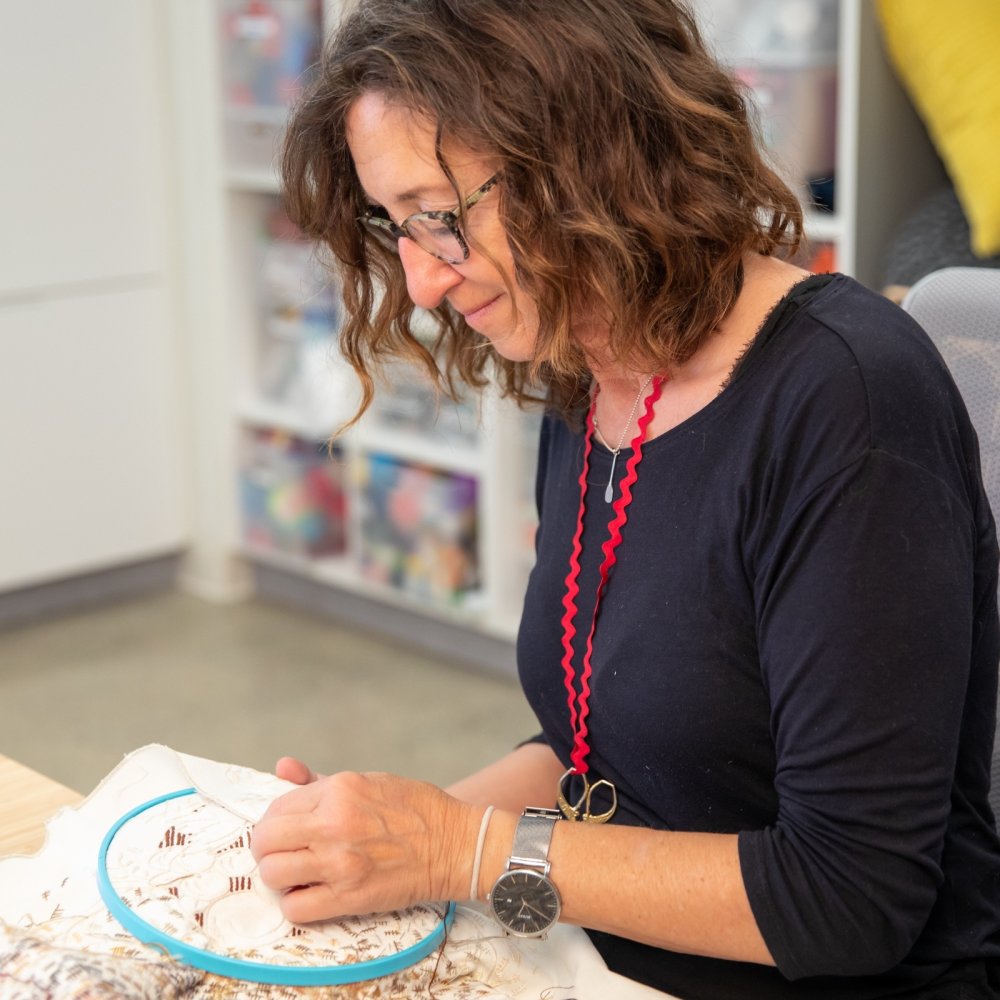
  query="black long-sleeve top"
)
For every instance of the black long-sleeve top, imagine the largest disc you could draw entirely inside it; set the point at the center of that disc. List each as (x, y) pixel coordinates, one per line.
(799, 644)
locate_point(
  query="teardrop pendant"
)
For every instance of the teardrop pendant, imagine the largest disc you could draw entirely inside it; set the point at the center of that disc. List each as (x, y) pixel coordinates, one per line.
(609, 493)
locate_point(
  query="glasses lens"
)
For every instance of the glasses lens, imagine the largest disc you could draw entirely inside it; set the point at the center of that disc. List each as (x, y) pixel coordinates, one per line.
(380, 233)
(437, 237)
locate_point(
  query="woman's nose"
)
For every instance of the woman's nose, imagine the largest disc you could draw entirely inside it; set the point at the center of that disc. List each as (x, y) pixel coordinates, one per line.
(428, 279)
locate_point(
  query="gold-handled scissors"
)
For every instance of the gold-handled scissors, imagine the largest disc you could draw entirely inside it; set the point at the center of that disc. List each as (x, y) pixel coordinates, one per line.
(580, 810)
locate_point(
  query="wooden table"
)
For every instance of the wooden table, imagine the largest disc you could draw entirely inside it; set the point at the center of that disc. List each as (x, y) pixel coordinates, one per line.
(27, 800)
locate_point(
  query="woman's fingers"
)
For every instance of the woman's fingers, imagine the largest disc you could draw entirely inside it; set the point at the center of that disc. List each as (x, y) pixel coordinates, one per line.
(275, 833)
(294, 770)
(288, 870)
(309, 903)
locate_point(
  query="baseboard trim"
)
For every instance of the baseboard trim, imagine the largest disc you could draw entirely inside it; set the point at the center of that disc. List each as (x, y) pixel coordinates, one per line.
(88, 590)
(462, 646)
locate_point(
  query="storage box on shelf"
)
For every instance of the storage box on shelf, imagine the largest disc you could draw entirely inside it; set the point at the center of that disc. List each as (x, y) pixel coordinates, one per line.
(269, 47)
(298, 318)
(409, 417)
(785, 51)
(408, 402)
(418, 530)
(787, 54)
(292, 495)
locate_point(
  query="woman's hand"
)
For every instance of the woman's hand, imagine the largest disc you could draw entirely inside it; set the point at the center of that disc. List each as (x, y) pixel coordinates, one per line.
(353, 843)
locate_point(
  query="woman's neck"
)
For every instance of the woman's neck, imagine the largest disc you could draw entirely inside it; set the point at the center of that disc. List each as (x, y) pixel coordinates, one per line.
(695, 383)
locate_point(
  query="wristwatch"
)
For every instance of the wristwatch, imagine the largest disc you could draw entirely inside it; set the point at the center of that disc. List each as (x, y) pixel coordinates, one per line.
(524, 900)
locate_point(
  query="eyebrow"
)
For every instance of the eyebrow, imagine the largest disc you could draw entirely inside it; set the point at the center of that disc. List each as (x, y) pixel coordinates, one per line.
(415, 194)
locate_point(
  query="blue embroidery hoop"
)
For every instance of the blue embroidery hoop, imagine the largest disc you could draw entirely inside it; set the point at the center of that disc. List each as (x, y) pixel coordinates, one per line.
(237, 968)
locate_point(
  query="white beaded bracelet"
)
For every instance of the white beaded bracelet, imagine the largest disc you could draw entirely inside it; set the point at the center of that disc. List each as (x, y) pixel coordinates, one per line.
(477, 863)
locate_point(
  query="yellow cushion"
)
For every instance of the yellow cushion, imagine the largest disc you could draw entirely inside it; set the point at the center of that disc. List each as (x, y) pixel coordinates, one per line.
(947, 55)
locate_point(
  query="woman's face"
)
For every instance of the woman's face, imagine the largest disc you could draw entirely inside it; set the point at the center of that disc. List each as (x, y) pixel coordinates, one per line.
(393, 153)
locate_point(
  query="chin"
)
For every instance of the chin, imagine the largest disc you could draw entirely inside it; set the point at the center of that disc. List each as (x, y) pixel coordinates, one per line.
(515, 346)
(511, 355)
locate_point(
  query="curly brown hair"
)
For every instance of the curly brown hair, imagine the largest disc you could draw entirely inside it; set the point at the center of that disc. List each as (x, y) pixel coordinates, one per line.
(632, 178)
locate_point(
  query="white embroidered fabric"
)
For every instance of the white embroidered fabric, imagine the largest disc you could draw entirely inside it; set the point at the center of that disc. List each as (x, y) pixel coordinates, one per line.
(185, 867)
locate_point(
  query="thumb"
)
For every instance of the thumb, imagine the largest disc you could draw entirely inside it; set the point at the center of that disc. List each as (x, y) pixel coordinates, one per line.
(294, 770)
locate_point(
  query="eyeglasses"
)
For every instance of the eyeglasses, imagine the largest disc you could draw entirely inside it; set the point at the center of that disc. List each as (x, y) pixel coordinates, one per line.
(435, 232)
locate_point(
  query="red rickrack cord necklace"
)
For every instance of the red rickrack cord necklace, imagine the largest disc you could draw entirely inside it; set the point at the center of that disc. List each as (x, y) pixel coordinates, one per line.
(579, 702)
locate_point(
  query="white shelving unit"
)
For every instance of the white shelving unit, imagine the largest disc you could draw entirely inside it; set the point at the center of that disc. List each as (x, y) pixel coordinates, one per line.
(884, 163)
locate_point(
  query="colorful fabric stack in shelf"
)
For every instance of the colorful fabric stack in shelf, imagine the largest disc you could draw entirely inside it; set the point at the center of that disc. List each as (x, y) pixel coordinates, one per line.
(419, 528)
(292, 496)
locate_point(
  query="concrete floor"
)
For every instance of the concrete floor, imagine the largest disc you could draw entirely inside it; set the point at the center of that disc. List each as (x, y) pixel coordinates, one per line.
(245, 684)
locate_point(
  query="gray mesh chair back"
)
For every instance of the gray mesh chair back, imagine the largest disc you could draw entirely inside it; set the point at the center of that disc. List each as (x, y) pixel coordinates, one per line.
(959, 307)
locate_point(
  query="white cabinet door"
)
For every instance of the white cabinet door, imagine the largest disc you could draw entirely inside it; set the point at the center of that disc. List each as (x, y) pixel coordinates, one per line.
(90, 434)
(81, 143)
(90, 471)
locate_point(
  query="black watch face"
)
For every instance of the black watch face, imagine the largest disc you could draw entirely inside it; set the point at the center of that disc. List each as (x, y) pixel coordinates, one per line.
(525, 902)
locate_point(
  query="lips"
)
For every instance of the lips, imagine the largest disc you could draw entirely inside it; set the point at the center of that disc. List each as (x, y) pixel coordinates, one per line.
(470, 314)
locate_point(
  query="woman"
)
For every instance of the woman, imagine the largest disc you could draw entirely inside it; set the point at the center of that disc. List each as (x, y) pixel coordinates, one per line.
(761, 634)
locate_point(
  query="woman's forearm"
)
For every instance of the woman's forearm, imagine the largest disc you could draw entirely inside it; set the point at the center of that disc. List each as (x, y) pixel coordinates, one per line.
(526, 776)
(680, 891)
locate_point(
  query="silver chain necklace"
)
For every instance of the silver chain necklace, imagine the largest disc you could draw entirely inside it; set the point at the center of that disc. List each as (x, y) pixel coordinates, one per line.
(609, 492)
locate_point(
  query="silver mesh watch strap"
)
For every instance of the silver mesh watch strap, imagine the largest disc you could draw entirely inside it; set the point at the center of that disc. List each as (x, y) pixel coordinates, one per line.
(532, 839)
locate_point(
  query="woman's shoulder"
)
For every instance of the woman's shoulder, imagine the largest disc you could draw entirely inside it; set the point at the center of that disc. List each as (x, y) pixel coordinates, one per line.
(853, 367)
(844, 332)
(894, 360)
(871, 325)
